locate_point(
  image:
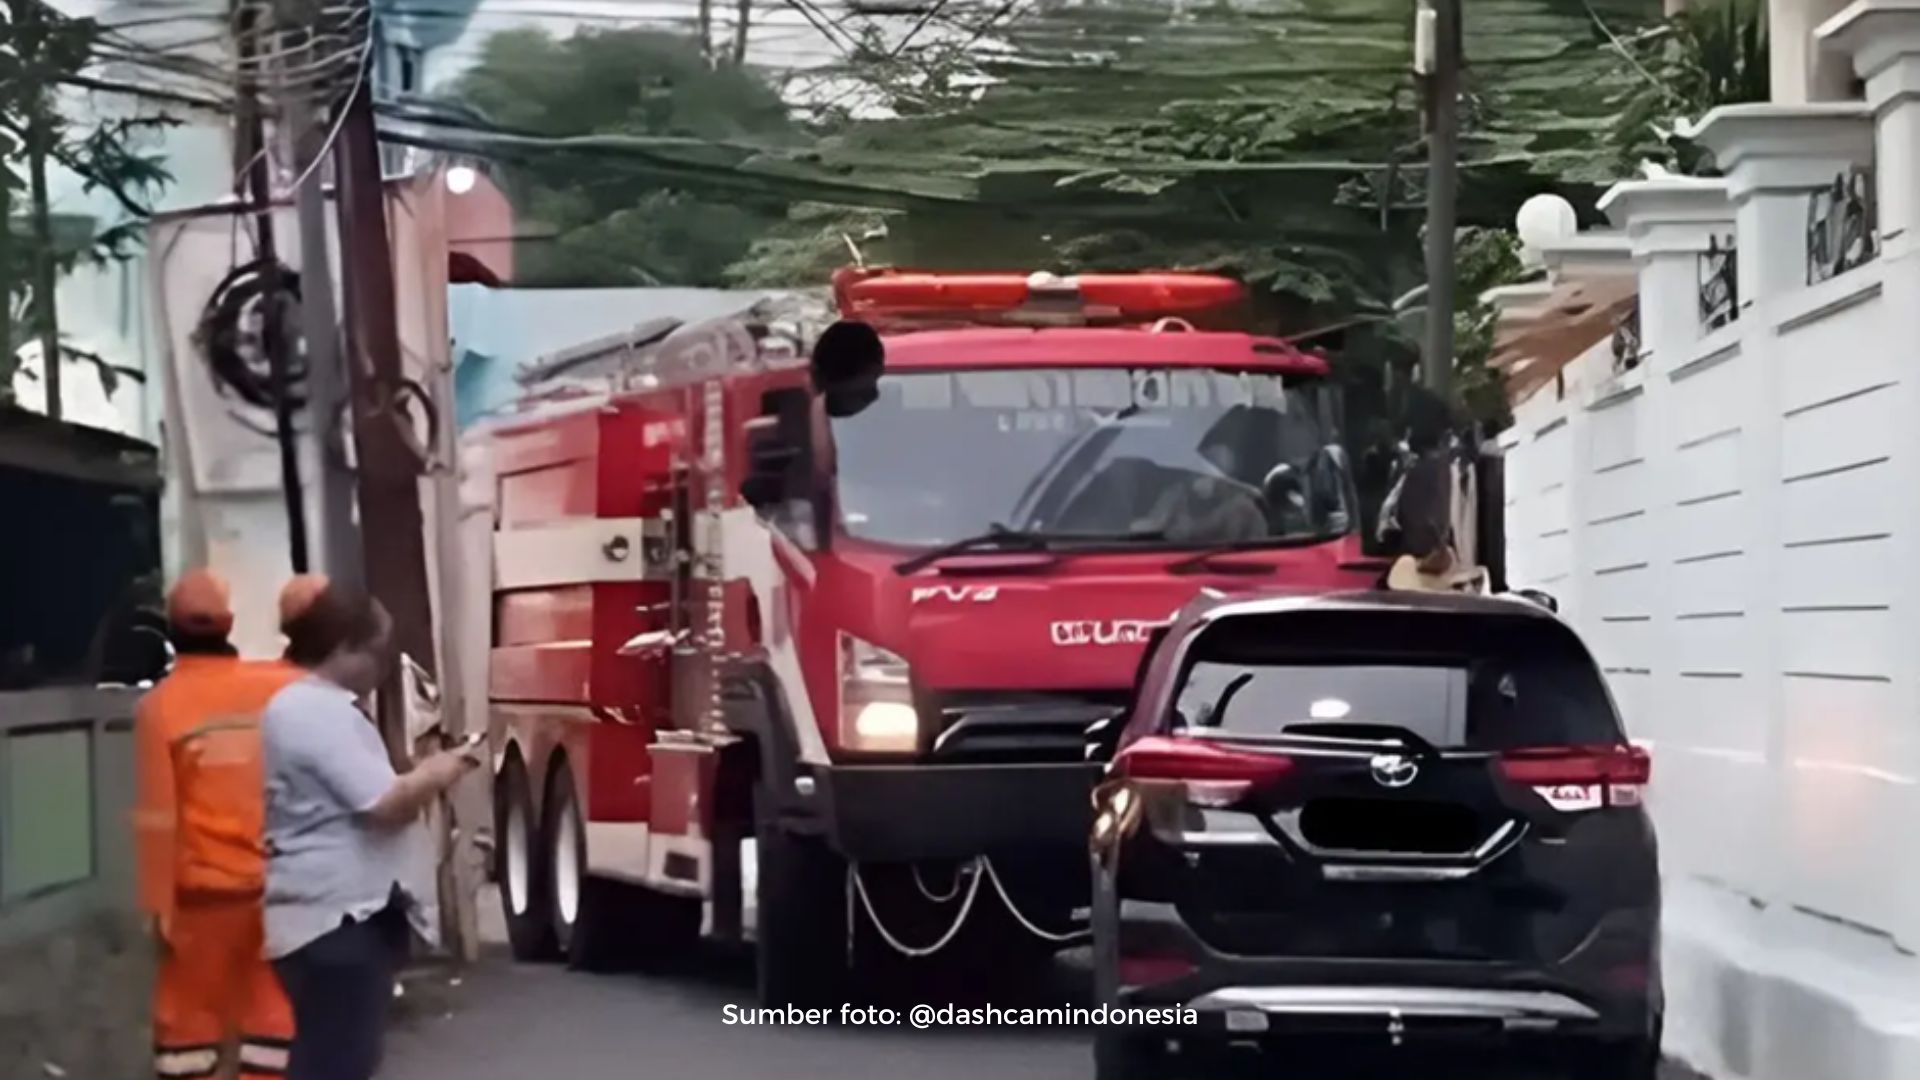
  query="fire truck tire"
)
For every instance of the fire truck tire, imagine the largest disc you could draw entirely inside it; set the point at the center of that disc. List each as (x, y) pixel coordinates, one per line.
(583, 910)
(520, 868)
(801, 923)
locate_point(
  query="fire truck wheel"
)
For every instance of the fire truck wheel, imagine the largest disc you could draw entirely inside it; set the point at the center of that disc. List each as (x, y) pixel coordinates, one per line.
(801, 924)
(521, 866)
(583, 910)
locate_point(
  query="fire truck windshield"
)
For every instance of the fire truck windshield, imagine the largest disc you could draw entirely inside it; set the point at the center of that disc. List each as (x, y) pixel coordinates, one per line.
(1192, 455)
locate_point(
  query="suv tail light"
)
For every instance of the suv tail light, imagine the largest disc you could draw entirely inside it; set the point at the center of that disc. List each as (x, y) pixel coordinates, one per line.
(1581, 777)
(1213, 775)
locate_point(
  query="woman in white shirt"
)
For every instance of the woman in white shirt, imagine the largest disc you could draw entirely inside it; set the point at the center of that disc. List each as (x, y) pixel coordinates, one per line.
(340, 839)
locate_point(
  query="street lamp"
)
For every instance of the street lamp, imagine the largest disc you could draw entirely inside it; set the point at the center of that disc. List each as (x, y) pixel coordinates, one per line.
(1543, 221)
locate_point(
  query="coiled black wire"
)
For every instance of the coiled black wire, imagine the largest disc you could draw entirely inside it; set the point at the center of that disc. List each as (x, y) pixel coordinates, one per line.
(246, 372)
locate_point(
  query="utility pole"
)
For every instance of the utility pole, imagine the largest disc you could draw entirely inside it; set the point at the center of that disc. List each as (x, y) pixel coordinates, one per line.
(252, 143)
(1443, 174)
(39, 137)
(389, 464)
(387, 548)
(308, 143)
(46, 278)
(742, 19)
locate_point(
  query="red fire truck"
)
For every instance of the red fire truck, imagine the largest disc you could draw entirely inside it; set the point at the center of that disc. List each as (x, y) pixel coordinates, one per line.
(797, 636)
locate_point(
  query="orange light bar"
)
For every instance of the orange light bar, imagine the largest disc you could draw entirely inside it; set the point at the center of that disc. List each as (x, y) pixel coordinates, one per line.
(883, 294)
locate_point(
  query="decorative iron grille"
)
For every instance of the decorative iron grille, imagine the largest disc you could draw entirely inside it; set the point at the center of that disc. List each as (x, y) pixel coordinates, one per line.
(1626, 338)
(1719, 284)
(1843, 226)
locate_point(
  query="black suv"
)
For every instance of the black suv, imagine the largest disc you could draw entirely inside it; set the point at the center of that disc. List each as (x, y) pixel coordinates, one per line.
(1376, 823)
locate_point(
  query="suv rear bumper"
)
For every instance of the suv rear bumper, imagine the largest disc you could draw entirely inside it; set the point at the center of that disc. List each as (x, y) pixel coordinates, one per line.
(898, 813)
(1309, 995)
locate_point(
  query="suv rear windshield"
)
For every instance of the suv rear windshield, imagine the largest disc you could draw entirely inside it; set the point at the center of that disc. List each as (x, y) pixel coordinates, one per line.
(1482, 685)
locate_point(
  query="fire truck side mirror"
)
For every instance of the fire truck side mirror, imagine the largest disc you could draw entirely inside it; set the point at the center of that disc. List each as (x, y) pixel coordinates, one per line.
(778, 443)
(847, 362)
(770, 461)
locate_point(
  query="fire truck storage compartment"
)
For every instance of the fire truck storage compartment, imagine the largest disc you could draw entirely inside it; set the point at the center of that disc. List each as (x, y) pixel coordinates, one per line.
(582, 565)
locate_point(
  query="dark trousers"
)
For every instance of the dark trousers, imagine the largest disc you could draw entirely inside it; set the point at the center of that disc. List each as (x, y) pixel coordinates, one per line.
(341, 987)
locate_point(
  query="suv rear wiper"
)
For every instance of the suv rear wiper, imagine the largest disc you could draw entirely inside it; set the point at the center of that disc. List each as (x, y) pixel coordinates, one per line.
(1008, 538)
(1363, 733)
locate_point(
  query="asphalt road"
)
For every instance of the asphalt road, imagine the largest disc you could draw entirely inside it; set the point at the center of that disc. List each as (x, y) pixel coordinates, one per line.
(507, 1022)
(510, 1022)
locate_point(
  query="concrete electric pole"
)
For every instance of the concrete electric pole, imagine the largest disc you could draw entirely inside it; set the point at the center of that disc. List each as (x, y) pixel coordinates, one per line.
(257, 175)
(307, 132)
(1438, 57)
(384, 550)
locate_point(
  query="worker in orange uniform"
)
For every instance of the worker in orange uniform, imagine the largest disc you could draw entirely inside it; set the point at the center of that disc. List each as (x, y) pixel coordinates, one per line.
(198, 824)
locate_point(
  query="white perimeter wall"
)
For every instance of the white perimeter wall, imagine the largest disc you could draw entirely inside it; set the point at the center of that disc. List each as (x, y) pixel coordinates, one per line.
(1733, 528)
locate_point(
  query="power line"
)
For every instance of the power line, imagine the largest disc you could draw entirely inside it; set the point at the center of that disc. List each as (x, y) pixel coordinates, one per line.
(111, 86)
(339, 122)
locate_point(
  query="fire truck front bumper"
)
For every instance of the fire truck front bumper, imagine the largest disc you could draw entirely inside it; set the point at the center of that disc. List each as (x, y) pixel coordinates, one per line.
(899, 813)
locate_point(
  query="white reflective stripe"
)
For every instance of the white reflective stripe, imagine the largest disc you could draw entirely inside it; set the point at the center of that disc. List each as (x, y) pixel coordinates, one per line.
(187, 1063)
(258, 1056)
(747, 544)
(571, 551)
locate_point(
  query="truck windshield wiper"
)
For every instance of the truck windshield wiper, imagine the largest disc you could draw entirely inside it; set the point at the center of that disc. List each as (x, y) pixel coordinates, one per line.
(1201, 559)
(1006, 538)
(996, 536)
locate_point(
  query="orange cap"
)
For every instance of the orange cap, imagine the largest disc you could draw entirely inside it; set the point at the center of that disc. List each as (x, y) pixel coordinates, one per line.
(299, 595)
(200, 603)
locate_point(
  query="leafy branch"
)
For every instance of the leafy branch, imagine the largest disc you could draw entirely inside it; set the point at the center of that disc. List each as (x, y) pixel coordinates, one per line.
(41, 50)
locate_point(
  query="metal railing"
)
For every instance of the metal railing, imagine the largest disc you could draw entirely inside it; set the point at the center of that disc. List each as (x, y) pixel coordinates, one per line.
(1627, 347)
(1843, 226)
(1719, 284)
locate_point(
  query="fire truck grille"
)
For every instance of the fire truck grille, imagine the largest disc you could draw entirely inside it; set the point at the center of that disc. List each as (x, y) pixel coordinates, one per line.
(984, 727)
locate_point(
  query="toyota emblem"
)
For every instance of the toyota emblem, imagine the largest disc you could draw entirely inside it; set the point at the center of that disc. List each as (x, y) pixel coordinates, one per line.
(1394, 770)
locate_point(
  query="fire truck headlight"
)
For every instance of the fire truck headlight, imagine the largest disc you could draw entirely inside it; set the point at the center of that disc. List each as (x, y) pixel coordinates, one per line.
(876, 705)
(886, 725)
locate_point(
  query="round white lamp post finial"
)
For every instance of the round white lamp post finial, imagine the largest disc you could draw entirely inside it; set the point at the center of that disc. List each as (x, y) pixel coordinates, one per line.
(1543, 221)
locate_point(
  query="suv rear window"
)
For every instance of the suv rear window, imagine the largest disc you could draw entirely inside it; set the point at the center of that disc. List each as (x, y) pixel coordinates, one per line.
(1483, 683)
(1429, 701)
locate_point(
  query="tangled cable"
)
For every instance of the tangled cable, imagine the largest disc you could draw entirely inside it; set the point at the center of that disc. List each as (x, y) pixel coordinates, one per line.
(238, 354)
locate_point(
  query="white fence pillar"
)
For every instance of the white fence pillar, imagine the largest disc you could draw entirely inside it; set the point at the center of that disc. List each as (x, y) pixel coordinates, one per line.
(1775, 157)
(1671, 223)
(1882, 39)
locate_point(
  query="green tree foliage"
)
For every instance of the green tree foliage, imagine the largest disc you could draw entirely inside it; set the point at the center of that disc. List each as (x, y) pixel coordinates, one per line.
(614, 226)
(809, 246)
(1488, 258)
(40, 50)
(1712, 54)
(1277, 140)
